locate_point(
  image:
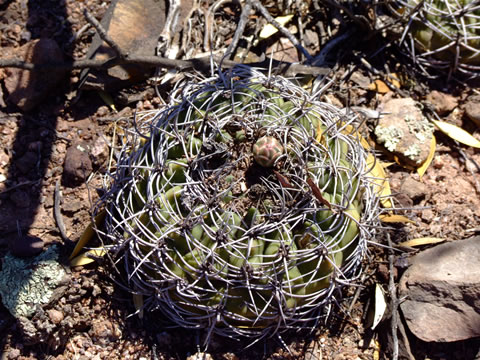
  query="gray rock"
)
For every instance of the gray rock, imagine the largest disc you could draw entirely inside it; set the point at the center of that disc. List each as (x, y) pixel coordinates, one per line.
(26, 283)
(404, 131)
(442, 290)
(472, 109)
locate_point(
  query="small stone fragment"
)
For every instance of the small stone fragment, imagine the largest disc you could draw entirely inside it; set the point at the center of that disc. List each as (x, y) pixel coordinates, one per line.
(472, 109)
(26, 88)
(442, 103)
(77, 166)
(26, 246)
(404, 131)
(414, 189)
(55, 316)
(442, 292)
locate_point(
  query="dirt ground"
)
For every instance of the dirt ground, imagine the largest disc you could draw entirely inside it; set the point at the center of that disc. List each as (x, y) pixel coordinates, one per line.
(93, 318)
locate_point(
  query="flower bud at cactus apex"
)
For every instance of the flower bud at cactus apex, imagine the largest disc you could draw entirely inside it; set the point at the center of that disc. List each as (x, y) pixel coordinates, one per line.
(266, 150)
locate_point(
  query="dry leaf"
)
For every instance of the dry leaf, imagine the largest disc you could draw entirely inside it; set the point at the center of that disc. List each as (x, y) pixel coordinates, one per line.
(423, 168)
(380, 306)
(381, 87)
(269, 30)
(457, 133)
(138, 303)
(88, 234)
(391, 218)
(350, 130)
(421, 241)
(84, 259)
(379, 177)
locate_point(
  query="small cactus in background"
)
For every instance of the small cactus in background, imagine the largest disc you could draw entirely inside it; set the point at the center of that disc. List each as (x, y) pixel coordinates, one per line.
(267, 150)
(216, 242)
(443, 34)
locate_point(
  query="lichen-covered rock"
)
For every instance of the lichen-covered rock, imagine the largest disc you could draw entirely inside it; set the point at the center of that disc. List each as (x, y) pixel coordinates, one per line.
(28, 283)
(404, 131)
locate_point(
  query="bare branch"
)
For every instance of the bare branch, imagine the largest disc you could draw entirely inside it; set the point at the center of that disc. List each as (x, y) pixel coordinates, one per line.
(103, 34)
(281, 28)
(200, 64)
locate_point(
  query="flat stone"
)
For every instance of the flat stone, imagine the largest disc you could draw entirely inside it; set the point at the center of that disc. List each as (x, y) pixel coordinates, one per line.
(27, 89)
(25, 246)
(442, 103)
(404, 131)
(442, 291)
(472, 109)
(77, 166)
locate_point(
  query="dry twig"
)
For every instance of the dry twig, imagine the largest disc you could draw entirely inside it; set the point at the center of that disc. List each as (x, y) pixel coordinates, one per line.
(281, 28)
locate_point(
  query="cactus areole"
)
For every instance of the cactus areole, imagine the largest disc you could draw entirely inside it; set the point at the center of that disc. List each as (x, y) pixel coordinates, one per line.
(235, 244)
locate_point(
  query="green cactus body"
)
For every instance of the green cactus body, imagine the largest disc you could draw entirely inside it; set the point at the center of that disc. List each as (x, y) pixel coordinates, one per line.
(446, 31)
(255, 245)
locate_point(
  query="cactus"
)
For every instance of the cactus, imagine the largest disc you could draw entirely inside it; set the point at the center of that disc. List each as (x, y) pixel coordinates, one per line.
(218, 242)
(445, 34)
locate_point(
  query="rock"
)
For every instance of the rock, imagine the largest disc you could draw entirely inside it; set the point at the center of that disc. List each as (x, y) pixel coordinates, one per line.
(414, 189)
(27, 163)
(20, 198)
(26, 283)
(404, 131)
(77, 166)
(26, 246)
(55, 316)
(472, 109)
(442, 292)
(442, 103)
(27, 89)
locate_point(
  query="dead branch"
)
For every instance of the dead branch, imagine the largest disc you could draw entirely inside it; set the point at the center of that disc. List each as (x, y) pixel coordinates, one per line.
(240, 29)
(199, 64)
(281, 28)
(104, 35)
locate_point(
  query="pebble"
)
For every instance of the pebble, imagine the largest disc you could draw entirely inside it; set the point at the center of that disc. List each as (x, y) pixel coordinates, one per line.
(26, 246)
(414, 189)
(55, 316)
(77, 166)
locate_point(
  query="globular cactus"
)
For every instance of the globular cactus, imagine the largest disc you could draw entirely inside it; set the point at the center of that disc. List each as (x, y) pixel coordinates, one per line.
(246, 210)
(443, 34)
